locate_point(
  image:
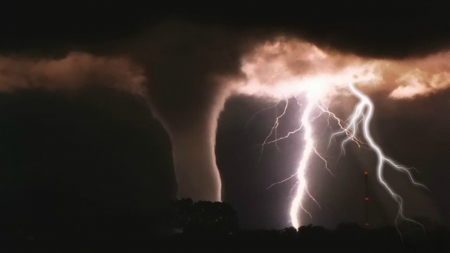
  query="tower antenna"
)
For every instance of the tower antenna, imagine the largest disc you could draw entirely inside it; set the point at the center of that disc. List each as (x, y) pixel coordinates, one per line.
(366, 199)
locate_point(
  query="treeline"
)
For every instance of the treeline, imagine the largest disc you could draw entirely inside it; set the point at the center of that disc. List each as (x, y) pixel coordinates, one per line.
(216, 223)
(214, 226)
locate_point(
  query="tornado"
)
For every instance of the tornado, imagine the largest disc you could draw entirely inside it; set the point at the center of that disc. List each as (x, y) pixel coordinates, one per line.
(188, 69)
(194, 158)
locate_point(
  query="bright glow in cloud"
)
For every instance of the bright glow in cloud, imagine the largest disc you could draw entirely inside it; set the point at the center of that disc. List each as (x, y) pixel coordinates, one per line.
(286, 68)
(290, 66)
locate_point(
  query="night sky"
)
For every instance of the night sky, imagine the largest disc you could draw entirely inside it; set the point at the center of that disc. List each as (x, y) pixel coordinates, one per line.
(70, 158)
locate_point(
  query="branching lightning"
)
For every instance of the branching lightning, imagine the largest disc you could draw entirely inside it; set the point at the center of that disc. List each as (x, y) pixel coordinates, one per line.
(366, 103)
(362, 114)
(274, 127)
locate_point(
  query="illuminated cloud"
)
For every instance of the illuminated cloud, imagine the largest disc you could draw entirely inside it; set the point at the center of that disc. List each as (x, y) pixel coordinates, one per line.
(287, 67)
(72, 72)
(420, 83)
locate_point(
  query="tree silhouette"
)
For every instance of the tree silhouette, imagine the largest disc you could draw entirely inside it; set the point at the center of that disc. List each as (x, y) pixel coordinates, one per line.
(181, 213)
(204, 217)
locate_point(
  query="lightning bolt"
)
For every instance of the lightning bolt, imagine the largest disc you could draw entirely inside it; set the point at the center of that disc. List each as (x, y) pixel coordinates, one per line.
(287, 136)
(366, 104)
(274, 128)
(362, 113)
(302, 187)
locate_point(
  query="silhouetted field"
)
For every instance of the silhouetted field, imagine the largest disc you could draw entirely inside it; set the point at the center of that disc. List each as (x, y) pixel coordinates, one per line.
(309, 239)
(213, 227)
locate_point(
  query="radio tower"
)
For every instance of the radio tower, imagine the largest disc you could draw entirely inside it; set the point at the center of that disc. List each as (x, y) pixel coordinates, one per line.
(366, 199)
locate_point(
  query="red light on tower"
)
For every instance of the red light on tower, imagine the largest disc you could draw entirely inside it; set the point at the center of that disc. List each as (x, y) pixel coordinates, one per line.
(366, 198)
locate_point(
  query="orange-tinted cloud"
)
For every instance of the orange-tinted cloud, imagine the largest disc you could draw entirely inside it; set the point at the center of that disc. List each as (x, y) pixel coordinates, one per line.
(286, 67)
(74, 71)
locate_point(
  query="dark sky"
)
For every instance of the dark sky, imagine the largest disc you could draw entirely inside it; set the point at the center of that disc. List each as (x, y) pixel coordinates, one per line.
(394, 29)
(99, 153)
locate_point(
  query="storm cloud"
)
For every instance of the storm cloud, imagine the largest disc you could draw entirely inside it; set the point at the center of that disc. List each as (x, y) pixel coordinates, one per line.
(187, 71)
(188, 67)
